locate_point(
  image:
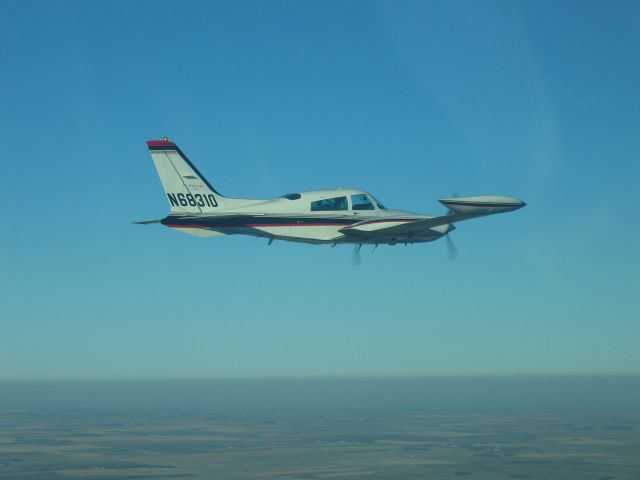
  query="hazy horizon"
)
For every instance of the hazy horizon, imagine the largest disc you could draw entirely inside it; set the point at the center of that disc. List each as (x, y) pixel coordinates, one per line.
(341, 376)
(441, 393)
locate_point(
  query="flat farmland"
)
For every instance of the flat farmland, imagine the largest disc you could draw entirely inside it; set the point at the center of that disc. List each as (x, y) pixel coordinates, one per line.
(337, 444)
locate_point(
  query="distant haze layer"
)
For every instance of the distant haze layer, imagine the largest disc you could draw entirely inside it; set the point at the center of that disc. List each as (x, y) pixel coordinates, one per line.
(437, 394)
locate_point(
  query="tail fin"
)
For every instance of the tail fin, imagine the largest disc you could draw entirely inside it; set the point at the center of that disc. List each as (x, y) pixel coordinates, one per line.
(186, 188)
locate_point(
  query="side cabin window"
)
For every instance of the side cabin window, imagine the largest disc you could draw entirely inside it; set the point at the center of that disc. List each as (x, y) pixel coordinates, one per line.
(361, 202)
(329, 204)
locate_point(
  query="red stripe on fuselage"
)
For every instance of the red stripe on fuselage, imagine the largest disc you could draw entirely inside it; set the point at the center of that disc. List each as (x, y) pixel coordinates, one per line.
(294, 225)
(390, 220)
(254, 225)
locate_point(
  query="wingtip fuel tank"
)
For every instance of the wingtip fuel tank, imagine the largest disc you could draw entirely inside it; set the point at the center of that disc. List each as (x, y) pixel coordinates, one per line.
(485, 204)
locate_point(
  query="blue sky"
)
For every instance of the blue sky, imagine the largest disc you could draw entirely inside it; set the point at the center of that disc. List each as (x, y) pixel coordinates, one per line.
(412, 101)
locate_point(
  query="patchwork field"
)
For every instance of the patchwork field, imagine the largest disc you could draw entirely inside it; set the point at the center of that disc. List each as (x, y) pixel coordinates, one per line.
(337, 444)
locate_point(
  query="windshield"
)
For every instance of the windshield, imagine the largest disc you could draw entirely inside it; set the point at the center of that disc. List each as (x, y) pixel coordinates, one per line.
(361, 202)
(379, 203)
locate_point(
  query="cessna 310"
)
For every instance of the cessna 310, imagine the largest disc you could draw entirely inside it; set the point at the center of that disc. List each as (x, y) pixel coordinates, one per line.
(335, 216)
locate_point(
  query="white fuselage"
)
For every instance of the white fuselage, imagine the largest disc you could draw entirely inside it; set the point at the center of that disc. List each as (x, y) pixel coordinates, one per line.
(344, 215)
(312, 217)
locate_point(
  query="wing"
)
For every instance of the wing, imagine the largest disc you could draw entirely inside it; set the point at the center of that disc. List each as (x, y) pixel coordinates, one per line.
(399, 226)
(463, 208)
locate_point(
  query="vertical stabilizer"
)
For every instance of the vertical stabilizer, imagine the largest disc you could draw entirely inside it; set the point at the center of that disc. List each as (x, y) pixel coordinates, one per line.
(188, 192)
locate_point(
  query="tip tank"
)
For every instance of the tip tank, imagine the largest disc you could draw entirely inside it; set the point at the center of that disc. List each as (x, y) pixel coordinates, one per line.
(482, 204)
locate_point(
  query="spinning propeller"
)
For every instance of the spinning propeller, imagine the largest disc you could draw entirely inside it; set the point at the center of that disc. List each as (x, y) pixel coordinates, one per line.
(452, 251)
(356, 260)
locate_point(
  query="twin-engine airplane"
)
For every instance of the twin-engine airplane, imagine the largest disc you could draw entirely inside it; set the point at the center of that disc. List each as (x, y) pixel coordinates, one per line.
(338, 216)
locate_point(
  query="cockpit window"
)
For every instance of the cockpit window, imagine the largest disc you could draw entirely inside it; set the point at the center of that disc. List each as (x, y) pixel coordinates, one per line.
(291, 196)
(361, 202)
(380, 205)
(329, 204)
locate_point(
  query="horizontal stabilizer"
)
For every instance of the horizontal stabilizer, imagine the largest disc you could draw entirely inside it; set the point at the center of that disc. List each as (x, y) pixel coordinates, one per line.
(147, 222)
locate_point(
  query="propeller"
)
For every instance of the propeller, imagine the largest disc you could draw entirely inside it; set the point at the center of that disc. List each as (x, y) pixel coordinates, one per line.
(452, 251)
(356, 255)
(451, 248)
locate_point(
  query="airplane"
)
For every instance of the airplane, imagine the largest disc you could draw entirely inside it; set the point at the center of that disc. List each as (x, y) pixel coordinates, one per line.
(336, 216)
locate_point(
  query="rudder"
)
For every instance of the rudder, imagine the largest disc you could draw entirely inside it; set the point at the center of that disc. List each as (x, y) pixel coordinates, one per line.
(188, 192)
